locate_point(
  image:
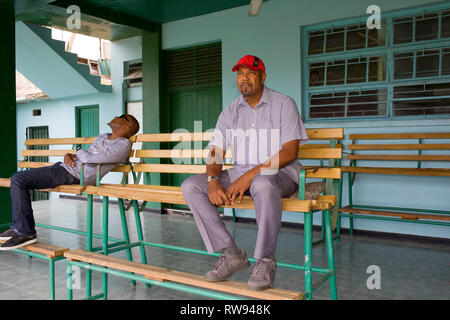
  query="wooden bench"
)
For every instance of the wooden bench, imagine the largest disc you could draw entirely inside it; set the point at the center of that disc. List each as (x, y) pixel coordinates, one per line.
(37, 154)
(388, 149)
(169, 278)
(47, 252)
(174, 195)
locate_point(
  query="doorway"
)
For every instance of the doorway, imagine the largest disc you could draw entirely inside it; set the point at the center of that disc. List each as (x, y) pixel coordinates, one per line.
(86, 122)
(194, 96)
(38, 133)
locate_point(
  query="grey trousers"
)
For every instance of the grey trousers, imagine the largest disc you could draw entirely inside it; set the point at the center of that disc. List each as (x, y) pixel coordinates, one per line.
(266, 191)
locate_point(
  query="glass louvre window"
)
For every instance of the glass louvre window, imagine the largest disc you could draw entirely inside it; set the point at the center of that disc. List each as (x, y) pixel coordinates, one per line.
(421, 63)
(445, 62)
(348, 104)
(427, 27)
(445, 25)
(356, 72)
(347, 38)
(421, 99)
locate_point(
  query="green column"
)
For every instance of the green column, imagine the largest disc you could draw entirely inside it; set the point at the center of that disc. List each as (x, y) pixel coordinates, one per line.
(8, 156)
(152, 96)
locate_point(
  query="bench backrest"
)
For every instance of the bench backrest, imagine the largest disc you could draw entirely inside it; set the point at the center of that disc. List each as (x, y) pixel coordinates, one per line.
(400, 147)
(323, 151)
(37, 148)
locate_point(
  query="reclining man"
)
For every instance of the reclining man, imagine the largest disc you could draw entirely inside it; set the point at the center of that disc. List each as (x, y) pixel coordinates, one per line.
(109, 149)
(258, 119)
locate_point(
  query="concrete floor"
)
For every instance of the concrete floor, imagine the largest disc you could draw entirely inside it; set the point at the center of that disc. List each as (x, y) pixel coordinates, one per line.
(409, 269)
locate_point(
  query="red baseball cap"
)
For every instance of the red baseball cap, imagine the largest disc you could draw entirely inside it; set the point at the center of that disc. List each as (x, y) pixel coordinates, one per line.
(251, 62)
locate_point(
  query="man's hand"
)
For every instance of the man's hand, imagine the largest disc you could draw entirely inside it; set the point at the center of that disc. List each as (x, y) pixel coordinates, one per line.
(217, 194)
(239, 186)
(69, 159)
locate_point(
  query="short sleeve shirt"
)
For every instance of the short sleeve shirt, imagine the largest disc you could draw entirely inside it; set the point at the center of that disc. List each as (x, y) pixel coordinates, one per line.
(254, 135)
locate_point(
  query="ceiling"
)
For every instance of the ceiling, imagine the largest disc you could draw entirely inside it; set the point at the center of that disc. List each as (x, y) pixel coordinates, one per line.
(116, 19)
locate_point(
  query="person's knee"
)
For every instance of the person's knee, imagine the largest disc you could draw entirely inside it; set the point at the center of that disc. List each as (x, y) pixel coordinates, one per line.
(16, 179)
(190, 185)
(264, 185)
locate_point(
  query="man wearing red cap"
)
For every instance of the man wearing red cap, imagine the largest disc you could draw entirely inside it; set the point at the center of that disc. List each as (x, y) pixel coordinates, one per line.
(264, 130)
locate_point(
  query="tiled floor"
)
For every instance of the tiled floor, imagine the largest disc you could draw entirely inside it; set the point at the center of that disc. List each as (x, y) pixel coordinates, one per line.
(409, 269)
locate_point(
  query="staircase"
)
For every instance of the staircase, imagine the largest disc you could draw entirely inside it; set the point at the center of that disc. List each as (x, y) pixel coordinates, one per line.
(45, 62)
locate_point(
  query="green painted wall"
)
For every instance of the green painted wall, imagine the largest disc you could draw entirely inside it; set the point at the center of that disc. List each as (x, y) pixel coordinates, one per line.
(8, 98)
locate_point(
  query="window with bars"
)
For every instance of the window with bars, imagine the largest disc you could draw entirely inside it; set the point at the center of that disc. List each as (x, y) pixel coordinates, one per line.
(401, 69)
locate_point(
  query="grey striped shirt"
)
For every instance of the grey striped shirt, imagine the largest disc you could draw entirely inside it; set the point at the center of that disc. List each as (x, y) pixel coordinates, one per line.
(103, 150)
(256, 134)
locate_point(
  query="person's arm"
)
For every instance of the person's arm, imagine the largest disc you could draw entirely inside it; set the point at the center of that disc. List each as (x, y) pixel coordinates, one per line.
(216, 192)
(116, 153)
(287, 154)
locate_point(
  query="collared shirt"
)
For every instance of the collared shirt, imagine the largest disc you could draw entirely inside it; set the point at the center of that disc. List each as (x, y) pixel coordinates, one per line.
(256, 134)
(103, 150)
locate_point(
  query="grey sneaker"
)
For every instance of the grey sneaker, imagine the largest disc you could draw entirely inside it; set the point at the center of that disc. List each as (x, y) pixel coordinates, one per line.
(7, 234)
(262, 274)
(228, 265)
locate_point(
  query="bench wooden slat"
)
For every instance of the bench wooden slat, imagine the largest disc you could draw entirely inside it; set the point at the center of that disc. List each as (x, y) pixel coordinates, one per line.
(29, 165)
(403, 215)
(305, 153)
(433, 172)
(329, 199)
(74, 188)
(313, 134)
(59, 141)
(53, 153)
(169, 196)
(5, 182)
(380, 136)
(51, 251)
(65, 141)
(164, 274)
(325, 133)
(314, 172)
(398, 171)
(44, 153)
(397, 157)
(399, 146)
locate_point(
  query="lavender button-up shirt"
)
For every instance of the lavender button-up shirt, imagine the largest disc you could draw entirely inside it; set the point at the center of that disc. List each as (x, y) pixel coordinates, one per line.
(103, 150)
(256, 134)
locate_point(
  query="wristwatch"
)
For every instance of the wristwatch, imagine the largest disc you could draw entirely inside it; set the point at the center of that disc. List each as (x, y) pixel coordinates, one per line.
(212, 178)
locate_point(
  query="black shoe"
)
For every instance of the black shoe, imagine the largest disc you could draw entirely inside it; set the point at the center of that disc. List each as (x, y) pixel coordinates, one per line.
(6, 235)
(17, 241)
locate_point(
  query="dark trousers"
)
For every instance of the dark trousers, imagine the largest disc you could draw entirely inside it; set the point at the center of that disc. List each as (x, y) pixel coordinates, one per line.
(24, 181)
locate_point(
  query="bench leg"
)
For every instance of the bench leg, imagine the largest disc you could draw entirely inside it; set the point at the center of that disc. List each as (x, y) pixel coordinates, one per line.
(330, 254)
(308, 251)
(89, 219)
(52, 279)
(125, 232)
(105, 243)
(350, 200)
(140, 235)
(69, 281)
